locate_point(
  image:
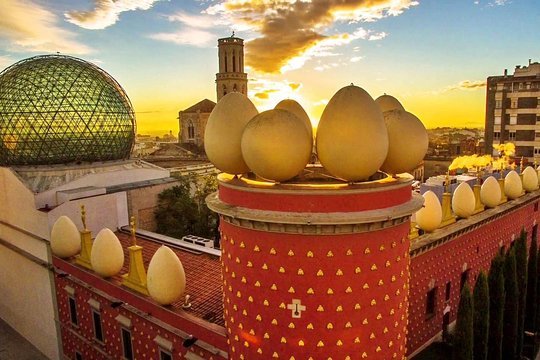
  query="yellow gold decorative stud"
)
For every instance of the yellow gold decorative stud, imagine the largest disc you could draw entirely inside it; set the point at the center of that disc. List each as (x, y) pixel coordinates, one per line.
(244, 312)
(249, 264)
(256, 248)
(357, 270)
(290, 253)
(381, 248)
(348, 325)
(320, 344)
(252, 332)
(385, 330)
(380, 283)
(291, 290)
(330, 291)
(320, 308)
(349, 252)
(233, 275)
(275, 355)
(386, 297)
(242, 245)
(258, 317)
(357, 340)
(266, 336)
(310, 254)
(320, 273)
(257, 284)
(310, 291)
(390, 343)
(367, 251)
(372, 336)
(300, 343)
(300, 272)
(365, 321)
(330, 254)
(232, 241)
(364, 355)
(291, 326)
(387, 264)
(273, 287)
(348, 290)
(366, 286)
(394, 244)
(379, 316)
(243, 280)
(373, 267)
(283, 340)
(339, 272)
(357, 306)
(339, 308)
(282, 306)
(373, 302)
(392, 311)
(272, 251)
(265, 267)
(238, 294)
(274, 322)
(250, 298)
(266, 303)
(339, 343)
(329, 326)
(378, 349)
(281, 269)
(259, 351)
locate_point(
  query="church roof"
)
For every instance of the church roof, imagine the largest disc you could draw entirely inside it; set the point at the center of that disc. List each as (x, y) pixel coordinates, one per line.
(204, 106)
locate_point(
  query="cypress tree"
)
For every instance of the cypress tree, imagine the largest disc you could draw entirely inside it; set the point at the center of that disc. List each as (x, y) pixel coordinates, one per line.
(481, 317)
(463, 338)
(496, 307)
(532, 278)
(521, 279)
(511, 304)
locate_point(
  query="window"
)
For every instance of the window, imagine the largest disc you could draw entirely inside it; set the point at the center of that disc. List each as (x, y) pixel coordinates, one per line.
(164, 355)
(498, 104)
(234, 63)
(536, 151)
(447, 291)
(72, 310)
(496, 135)
(537, 135)
(191, 131)
(497, 120)
(513, 103)
(431, 303)
(463, 280)
(512, 136)
(127, 347)
(78, 356)
(98, 329)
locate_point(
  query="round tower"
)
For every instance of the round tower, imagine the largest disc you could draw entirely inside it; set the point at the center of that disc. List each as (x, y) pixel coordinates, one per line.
(231, 76)
(315, 267)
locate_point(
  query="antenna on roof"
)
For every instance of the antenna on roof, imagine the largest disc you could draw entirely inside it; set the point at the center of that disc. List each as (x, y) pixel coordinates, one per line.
(232, 34)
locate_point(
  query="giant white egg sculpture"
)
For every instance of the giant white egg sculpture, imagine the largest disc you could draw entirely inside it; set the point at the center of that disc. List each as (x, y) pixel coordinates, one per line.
(65, 238)
(352, 140)
(388, 102)
(463, 201)
(223, 132)
(513, 188)
(530, 179)
(407, 142)
(490, 192)
(107, 256)
(165, 279)
(429, 217)
(276, 145)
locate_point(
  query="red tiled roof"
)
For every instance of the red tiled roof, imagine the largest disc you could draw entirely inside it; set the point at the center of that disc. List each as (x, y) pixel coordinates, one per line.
(203, 278)
(204, 106)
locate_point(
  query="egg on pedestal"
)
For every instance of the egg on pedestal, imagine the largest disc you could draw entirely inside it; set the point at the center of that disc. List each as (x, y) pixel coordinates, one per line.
(223, 132)
(490, 192)
(65, 238)
(407, 142)
(530, 179)
(430, 216)
(107, 256)
(463, 201)
(276, 145)
(297, 109)
(165, 279)
(352, 140)
(513, 188)
(388, 102)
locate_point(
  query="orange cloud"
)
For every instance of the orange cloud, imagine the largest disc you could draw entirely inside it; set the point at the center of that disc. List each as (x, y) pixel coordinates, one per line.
(467, 85)
(291, 29)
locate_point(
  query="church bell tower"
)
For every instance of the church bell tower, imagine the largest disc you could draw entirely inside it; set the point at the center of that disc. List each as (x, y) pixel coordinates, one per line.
(231, 76)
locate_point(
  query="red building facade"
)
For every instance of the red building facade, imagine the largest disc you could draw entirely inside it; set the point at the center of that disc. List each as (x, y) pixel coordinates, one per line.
(305, 272)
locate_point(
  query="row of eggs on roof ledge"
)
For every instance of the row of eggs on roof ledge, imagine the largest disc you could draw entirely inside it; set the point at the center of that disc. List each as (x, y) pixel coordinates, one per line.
(356, 137)
(165, 280)
(466, 202)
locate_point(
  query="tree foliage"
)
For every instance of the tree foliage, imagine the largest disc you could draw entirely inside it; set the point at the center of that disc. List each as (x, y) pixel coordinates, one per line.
(521, 278)
(511, 305)
(496, 307)
(481, 317)
(532, 279)
(182, 209)
(463, 337)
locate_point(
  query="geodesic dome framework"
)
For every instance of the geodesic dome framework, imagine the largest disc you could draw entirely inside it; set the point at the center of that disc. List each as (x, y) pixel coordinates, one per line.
(57, 109)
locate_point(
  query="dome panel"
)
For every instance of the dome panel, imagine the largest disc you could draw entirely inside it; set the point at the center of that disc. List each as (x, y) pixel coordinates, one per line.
(57, 109)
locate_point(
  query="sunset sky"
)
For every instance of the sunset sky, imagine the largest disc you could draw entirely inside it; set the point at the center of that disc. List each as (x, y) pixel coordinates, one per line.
(433, 55)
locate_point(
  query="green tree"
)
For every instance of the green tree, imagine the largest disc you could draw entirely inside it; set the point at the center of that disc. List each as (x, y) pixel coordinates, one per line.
(511, 304)
(481, 317)
(532, 279)
(463, 336)
(521, 278)
(182, 209)
(496, 307)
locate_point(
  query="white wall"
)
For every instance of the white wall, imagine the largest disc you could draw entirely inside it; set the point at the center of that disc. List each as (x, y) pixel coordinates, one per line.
(26, 299)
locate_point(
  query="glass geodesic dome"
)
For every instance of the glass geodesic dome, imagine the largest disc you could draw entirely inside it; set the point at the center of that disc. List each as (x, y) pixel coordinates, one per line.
(57, 109)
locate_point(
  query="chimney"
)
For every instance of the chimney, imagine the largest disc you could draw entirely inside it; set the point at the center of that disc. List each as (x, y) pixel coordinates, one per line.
(530, 61)
(505, 72)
